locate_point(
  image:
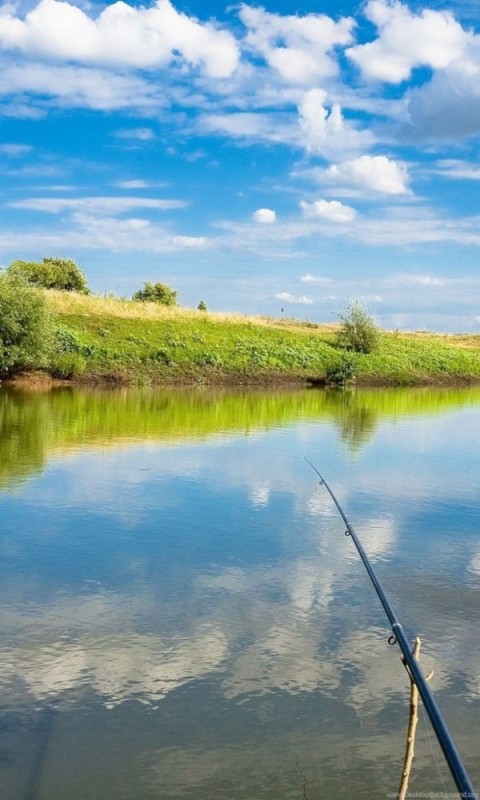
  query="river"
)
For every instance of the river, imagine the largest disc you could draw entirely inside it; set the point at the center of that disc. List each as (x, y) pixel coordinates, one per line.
(182, 616)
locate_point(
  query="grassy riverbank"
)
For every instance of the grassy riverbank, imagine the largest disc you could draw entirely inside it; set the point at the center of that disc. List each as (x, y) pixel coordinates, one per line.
(106, 339)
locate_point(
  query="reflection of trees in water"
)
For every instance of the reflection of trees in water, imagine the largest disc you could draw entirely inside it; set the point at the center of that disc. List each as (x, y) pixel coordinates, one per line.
(357, 413)
(34, 425)
(356, 419)
(22, 437)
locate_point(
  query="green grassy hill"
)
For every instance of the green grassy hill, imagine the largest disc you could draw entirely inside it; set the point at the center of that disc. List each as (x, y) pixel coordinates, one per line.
(107, 339)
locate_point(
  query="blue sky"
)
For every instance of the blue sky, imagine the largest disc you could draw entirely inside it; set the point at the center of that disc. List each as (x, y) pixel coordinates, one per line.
(257, 157)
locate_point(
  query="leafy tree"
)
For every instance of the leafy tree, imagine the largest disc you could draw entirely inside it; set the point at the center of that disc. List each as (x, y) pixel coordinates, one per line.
(51, 273)
(202, 306)
(358, 331)
(156, 293)
(25, 324)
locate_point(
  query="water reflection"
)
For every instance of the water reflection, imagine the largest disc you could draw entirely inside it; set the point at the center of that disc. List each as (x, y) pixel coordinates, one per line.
(35, 426)
(182, 615)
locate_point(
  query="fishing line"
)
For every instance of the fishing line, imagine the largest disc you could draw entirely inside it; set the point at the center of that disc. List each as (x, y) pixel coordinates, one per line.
(398, 636)
(432, 749)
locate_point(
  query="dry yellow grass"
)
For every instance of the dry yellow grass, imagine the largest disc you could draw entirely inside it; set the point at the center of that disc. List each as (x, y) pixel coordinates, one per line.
(467, 341)
(99, 306)
(105, 306)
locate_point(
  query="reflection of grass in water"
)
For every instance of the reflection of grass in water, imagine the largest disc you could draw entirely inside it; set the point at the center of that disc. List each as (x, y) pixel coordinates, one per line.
(33, 425)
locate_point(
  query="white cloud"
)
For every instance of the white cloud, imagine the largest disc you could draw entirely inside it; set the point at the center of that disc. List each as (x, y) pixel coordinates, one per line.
(80, 87)
(376, 173)
(316, 121)
(328, 209)
(123, 35)
(315, 279)
(133, 184)
(286, 297)
(189, 242)
(15, 150)
(323, 129)
(460, 170)
(406, 40)
(96, 231)
(404, 226)
(111, 205)
(298, 48)
(423, 280)
(276, 127)
(265, 216)
(142, 134)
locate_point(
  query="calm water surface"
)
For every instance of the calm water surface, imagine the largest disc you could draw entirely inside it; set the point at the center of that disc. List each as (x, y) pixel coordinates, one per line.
(183, 617)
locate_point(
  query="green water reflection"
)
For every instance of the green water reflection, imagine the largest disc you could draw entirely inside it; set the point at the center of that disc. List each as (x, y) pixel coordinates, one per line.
(33, 425)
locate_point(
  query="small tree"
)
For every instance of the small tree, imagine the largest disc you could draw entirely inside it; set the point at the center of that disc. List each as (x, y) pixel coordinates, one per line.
(25, 325)
(156, 293)
(51, 273)
(358, 331)
(202, 306)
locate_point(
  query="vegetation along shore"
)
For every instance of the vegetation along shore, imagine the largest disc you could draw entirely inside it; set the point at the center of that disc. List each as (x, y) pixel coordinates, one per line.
(52, 326)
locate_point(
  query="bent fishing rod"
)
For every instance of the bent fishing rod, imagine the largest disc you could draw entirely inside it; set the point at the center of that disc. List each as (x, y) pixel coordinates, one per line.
(455, 764)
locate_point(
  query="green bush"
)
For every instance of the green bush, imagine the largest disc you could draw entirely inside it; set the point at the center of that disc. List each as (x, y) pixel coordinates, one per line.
(156, 293)
(342, 372)
(67, 340)
(202, 306)
(25, 325)
(358, 331)
(51, 273)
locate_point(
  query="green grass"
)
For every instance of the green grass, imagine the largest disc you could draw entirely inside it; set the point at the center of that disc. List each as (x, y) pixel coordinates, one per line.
(107, 339)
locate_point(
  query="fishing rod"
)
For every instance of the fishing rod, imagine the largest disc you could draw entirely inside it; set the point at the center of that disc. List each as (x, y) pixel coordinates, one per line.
(452, 757)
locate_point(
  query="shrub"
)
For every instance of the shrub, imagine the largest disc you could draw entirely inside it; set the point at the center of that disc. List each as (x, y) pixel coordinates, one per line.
(156, 293)
(343, 372)
(25, 325)
(202, 306)
(51, 273)
(66, 340)
(358, 331)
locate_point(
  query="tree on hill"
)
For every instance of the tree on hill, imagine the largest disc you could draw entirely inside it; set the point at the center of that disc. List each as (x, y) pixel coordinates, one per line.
(156, 293)
(358, 331)
(202, 306)
(51, 273)
(25, 324)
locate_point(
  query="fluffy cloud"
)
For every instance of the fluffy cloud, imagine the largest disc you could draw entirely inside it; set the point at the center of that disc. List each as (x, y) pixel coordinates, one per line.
(265, 216)
(324, 131)
(120, 35)
(374, 173)
(362, 175)
(432, 39)
(298, 48)
(286, 297)
(330, 210)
